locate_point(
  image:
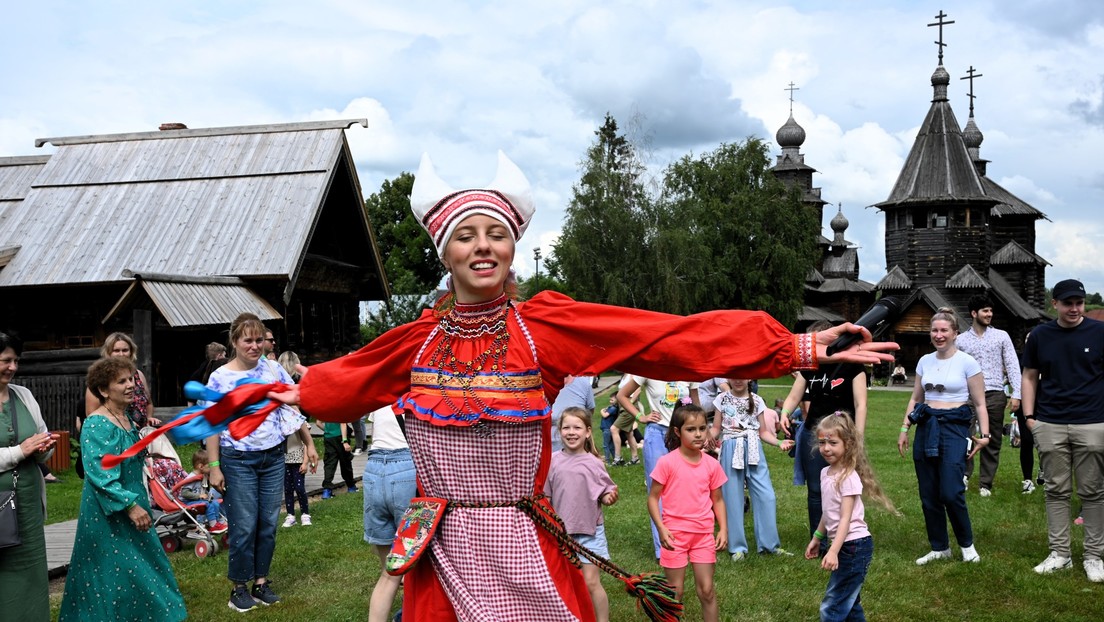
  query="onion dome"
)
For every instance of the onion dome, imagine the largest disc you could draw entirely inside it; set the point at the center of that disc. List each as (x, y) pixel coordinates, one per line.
(971, 135)
(791, 134)
(839, 224)
(939, 80)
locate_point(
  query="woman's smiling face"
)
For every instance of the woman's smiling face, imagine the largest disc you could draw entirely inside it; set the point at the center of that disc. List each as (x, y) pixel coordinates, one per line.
(478, 256)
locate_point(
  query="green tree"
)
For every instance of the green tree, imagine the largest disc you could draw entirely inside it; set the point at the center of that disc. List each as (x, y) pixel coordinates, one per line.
(603, 244)
(410, 259)
(731, 236)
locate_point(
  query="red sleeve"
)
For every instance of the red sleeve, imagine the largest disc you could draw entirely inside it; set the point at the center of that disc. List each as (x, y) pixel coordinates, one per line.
(585, 339)
(347, 388)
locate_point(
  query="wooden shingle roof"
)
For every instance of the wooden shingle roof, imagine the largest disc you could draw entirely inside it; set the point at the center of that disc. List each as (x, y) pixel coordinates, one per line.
(235, 201)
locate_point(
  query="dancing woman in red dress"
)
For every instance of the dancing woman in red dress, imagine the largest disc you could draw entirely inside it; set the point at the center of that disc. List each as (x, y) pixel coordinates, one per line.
(474, 379)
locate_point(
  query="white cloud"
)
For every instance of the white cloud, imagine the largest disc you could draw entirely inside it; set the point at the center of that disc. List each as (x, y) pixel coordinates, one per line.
(463, 79)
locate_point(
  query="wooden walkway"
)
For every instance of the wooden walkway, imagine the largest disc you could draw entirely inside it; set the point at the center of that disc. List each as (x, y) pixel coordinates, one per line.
(60, 536)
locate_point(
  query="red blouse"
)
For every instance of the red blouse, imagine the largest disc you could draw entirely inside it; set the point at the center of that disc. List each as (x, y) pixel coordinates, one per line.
(570, 337)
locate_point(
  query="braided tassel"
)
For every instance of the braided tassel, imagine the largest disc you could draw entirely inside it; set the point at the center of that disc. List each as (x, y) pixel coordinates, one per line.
(653, 593)
(655, 596)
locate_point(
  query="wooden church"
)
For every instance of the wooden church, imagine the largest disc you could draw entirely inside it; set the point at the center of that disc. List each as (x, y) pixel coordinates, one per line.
(952, 232)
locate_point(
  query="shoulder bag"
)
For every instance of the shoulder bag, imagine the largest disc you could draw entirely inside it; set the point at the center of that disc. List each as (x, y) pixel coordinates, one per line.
(9, 517)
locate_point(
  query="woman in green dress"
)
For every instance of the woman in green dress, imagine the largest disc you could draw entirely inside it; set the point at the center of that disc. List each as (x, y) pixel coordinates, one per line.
(24, 441)
(118, 570)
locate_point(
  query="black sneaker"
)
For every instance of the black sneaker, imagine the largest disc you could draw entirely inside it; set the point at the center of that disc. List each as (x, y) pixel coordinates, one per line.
(240, 600)
(264, 594)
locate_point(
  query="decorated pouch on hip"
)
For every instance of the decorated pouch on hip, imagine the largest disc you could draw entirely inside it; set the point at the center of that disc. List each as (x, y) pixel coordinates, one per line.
(414, 533)
(9, 519)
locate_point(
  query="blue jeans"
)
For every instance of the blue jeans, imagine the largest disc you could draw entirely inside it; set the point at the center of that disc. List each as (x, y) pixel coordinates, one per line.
(214, 506)
(607, 440)
(389, 483)
(654, 449)
(254, 489)
(843, 598)
(811, 465)
(763, 502)
(942, 493)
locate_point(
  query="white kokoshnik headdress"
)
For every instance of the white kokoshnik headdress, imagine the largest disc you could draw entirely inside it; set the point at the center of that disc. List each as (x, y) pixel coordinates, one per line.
(439, 208)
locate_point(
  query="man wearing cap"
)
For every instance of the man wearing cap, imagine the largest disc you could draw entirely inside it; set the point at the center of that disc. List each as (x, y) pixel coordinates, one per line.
(992, 349)
(1063, 403)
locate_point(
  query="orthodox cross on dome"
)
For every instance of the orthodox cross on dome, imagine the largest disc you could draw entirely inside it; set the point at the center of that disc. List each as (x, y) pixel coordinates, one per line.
(791, 89)
(970, 75)
(941, 24)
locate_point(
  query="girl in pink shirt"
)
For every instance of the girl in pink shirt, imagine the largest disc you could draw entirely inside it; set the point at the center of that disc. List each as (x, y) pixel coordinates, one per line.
(688, 482)
(842, 484)
(578, 486)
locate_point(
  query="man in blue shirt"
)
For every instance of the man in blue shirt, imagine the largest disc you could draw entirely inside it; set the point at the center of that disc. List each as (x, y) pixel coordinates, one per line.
(1063, 403)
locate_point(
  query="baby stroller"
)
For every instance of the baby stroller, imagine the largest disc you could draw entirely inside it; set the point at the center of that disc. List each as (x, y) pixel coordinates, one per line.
(174, 519)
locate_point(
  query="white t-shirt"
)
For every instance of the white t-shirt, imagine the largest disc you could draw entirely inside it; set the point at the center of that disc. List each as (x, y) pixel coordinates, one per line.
(386, 433)
(951, 373)
(663, 396)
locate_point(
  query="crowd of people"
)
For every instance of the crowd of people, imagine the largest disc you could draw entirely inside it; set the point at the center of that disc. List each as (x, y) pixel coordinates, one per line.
(482, 414)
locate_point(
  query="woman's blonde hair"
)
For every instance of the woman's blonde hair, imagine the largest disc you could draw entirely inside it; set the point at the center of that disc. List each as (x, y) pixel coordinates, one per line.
(109, 345)
(854, 457)
(581, 415)
(288, 360)
(948, 315)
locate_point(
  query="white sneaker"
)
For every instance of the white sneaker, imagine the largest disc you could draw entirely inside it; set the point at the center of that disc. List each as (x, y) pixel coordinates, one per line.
(970, 554)
(289, 521)
(195, 534)
(1028, 487)
(1053, 563)
(305, 520)
(358, 451)
(985, 492)
(966, 481)
(1094, 568)
(934, 555)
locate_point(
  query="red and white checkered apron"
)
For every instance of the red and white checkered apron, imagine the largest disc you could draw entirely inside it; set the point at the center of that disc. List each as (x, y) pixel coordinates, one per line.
(488, 560)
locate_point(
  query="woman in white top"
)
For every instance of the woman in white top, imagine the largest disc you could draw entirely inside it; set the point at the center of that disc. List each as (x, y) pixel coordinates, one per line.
(947, 381)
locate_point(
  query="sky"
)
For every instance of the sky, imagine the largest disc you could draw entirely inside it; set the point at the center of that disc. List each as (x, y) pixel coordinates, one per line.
(461, 79)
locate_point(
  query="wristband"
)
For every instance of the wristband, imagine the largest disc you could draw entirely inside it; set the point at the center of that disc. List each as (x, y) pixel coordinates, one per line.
(1029, 416)
(345, 440)
(905, 429)
(786, 412)
(818, 535)
(213, 463)
(132, 504)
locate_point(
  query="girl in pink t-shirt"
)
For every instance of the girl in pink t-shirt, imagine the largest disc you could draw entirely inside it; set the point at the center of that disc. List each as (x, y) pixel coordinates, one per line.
(688, 482)
(842, 484)
(578, 486)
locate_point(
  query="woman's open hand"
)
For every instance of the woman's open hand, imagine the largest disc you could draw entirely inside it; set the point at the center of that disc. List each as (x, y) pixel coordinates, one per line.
(865, 352)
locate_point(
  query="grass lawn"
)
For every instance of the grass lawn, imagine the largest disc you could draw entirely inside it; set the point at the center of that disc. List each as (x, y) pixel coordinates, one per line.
(325, 572)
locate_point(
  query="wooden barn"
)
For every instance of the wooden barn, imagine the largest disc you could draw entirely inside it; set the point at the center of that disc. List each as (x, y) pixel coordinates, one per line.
(169, 235)
(952, 233)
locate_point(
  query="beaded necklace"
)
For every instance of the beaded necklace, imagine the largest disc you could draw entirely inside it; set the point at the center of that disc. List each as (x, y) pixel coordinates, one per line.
(466, 322)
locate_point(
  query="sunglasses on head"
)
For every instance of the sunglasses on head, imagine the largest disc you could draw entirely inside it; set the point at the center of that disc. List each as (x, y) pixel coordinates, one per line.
(929, 386)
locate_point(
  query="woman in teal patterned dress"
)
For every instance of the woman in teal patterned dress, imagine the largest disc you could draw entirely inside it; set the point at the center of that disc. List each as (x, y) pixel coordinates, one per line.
(24, 442)
(118, 570)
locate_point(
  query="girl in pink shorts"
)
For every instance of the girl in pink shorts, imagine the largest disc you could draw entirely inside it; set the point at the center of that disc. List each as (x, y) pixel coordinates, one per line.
(688, 483)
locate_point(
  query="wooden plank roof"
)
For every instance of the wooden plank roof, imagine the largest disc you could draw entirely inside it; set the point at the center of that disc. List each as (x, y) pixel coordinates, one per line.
(191, 303)
(240, 201)
(939, 167)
